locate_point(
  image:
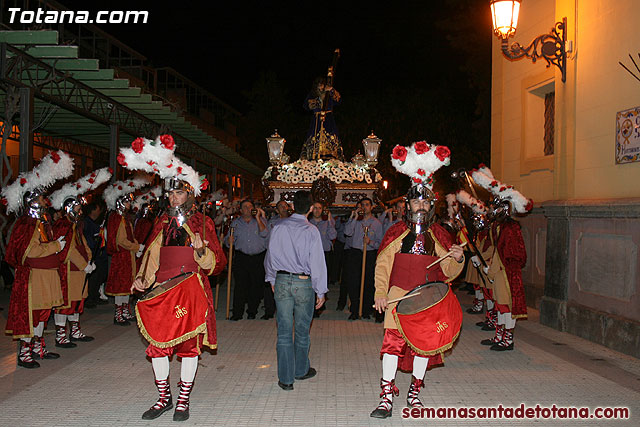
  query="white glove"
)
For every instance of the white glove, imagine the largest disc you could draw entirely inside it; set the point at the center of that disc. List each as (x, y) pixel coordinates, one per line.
(475, 261)
(140, 251)
(62, 243)
(485, 269)
(89, 268)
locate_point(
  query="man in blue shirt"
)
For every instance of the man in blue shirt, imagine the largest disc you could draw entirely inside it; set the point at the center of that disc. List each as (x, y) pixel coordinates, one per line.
(282, 208)
(356, 229)
(296, 270)
(250, 244)
(392, 215)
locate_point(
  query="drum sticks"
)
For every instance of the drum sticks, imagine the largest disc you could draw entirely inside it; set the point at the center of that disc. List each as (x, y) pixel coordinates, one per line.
(400, 299)
(443, 257)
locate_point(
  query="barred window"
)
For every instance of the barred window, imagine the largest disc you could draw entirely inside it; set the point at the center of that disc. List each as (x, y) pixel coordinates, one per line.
(549, 129)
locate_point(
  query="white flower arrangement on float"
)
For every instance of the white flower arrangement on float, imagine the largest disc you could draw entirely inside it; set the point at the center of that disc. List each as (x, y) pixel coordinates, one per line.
(336, 170)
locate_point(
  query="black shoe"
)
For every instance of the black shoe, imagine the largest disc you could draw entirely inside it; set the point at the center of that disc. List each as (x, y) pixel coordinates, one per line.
(310, 374)
(251, 316)
(28, 365)
(498, 347)
(267, 317)
(235, 318)
(381, 413)
(340, 307)
(123, 323)
(379, 319)
(472, 311)
(181, 415)
(47, 355)
(487, 342)
(85, 338)
(353, 316)
(488, 328)
(66, 344)
(287, 387)
(152, 414)
(366, 316)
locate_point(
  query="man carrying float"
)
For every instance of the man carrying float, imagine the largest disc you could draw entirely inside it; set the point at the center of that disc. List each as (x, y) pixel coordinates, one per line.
(177, 315)
(33, 252)
(407, 258)
(75, 259)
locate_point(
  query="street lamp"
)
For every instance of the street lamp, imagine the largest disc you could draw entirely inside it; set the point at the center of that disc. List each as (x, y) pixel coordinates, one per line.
(371, 146)
(551, 47)
(275, 147)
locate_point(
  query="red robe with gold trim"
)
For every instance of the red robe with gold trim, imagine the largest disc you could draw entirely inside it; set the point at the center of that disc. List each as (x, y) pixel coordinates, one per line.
(194, 223)
(123, 261)
(513, 254)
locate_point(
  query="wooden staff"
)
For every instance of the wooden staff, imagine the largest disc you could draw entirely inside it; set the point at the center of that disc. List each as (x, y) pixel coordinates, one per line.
(443, 257)
(229, 270)
(364, 263)
(391, 301)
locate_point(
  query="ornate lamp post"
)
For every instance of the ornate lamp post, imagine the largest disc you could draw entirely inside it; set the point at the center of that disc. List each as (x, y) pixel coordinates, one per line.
(371, 146)
(551, 47)
(275, 147)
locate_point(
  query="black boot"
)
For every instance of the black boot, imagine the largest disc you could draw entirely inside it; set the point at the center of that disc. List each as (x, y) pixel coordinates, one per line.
(39, 350)
(182, 404)
(25, 359)
(164, 401)
(385, 408)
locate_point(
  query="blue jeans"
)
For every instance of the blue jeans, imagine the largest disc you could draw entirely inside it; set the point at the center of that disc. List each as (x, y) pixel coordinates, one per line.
(295, 300)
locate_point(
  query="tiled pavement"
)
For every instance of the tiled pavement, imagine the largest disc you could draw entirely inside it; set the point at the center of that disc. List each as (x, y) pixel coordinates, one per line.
(109, 381)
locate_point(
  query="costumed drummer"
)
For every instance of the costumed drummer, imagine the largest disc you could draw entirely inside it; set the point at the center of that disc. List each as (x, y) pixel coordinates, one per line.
(407, 249)
(33, 252)
(184, 251)
(75, 259)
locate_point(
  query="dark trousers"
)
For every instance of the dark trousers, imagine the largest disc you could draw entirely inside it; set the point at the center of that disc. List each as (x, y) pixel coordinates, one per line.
(338, 253)
(97, 278)
(269, 301)
(354, 282)
(248, 273)
(345, 275)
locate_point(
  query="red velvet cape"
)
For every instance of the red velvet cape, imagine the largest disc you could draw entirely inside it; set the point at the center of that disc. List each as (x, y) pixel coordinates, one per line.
(121, 270)
(195, 224)
(19, 323)
(142, 230)
(512, 252)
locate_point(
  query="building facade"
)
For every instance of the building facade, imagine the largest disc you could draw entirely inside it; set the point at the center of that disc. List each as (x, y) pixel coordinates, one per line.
(556, 142)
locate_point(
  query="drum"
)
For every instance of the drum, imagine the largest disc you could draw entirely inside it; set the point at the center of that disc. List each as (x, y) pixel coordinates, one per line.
(430, 322)
(174, 311)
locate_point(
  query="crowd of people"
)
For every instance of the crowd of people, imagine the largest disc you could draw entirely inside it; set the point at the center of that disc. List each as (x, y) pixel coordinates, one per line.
(162, 251)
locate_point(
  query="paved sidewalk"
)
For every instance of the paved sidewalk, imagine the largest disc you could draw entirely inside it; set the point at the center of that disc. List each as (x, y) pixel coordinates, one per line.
(109, 382)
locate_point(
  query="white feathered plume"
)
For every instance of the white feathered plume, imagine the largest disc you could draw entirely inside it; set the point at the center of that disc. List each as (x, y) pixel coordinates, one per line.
(452, 205)
(73, 189)
(54, 166)
(420, 161)
(477, 206)
(518, 201)
(154, 193)
(158, 157)
(119, 188)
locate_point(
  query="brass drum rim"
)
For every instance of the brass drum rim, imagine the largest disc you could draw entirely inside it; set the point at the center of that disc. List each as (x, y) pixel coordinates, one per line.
(425, 308)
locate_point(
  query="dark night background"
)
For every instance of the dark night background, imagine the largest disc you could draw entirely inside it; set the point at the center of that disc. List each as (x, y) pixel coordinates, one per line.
(410, 71)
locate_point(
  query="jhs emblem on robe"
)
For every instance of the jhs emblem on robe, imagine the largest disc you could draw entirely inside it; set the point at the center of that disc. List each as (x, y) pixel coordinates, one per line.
(180, 311)
(441, 326)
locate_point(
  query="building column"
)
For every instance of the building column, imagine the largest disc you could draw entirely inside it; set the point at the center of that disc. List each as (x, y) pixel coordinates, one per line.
(25, 149)
(114, 138)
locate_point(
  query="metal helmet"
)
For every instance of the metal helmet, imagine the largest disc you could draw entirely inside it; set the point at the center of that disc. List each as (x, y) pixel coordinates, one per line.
(499, 209)
(184, 211)
(420, 221)
(68, 206)
(32, 204)
(121, 202)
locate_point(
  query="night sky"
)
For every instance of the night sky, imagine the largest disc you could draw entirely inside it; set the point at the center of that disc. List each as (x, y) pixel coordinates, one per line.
(411, 71)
